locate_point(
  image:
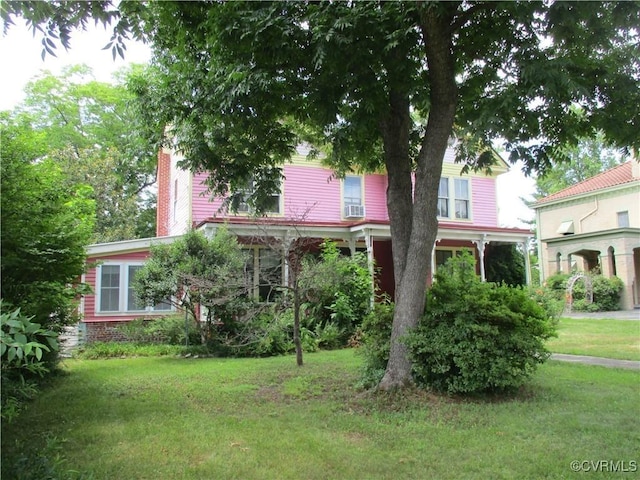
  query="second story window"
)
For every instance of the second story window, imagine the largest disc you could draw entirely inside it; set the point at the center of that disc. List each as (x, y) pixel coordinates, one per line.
(443, 198)
(623, 219)
(352, 196)
(462, 197)
(272, 204)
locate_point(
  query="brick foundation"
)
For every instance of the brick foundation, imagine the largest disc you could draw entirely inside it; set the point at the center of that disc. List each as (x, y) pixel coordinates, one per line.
(103, 331)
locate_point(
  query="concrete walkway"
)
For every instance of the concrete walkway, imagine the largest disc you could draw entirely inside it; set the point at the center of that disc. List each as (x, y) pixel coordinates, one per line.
(603, 362)
(617, 315)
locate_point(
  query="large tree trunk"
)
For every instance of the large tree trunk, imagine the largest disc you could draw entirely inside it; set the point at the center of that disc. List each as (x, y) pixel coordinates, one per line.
(413, 220)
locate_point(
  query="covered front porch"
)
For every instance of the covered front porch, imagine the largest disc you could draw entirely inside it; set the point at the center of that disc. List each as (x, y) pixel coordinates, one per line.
(374, 239)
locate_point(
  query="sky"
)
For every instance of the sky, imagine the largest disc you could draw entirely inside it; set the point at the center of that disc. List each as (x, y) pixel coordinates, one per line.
(21, 60)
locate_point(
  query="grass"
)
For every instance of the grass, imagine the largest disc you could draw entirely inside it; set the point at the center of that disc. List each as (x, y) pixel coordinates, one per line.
(598, 337)
(177, 418)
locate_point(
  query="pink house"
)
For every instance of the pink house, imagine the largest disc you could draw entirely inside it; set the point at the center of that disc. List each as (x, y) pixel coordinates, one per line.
(313, 204)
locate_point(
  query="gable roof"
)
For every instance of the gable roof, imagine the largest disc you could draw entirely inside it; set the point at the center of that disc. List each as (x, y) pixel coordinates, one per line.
(618, 175)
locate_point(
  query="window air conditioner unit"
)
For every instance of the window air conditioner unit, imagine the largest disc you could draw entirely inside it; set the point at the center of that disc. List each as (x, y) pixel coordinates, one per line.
(354, 211)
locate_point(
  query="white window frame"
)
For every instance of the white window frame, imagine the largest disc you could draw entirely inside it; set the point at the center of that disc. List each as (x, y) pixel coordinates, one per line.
(623, 219)
(457, 199)
(245, 209)
(123, 291)
(451, 199)
(352, 201)
(444, 198)
(254, 284)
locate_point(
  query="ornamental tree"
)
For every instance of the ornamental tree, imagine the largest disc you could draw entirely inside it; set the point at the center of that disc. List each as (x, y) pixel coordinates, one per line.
(384, 85)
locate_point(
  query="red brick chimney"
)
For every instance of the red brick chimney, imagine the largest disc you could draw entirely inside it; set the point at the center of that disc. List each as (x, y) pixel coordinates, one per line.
(164, 193)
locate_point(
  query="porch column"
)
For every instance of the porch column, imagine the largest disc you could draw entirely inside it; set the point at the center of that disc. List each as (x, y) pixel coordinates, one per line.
(480, 244)
(527, 262)
(287, 240)
(352, 245)
(368, 240)
(433, 259)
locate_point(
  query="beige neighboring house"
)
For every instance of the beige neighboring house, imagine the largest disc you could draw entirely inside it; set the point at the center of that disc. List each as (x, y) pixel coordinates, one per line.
(594, 224)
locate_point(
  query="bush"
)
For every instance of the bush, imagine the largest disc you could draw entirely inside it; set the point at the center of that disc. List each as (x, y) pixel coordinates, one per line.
(374, 339)
(552, 305)
(338, 292)
(98, 350)
(169, 330)
(23, 345)
(606, 292)
(477, 337)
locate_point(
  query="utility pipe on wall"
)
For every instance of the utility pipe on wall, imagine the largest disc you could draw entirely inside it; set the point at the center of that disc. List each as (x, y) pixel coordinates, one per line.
(595, 209)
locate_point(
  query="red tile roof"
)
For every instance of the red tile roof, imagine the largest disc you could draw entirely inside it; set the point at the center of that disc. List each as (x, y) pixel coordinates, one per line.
(617, 175)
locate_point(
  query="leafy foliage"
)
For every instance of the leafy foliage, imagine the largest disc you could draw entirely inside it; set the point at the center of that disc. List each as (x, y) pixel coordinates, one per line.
(45, 229)
(92, 131)
(375, 342)
(586, 159)
(505, 264)
(22, 347)
(606, 292)
(338, 290)
(237, 79)
(477, 337)
(193, 272)
(169, 330)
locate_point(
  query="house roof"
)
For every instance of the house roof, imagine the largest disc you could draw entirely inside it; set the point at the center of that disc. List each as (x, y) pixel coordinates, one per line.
(618, 175)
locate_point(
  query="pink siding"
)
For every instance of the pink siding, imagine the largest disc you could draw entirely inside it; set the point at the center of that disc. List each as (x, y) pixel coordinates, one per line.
(311, 191)
(308, 191)
(202, 205)
(314, 193)
(375, 190)
(90, 278)
(483, 202)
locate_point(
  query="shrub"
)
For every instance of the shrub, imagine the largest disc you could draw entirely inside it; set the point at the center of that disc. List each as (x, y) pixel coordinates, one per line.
(23, 345)
(169, 330)
(97, 350)
(374, 338)
(477, 337)
(606, 292)
(552, 305)
(338, 292)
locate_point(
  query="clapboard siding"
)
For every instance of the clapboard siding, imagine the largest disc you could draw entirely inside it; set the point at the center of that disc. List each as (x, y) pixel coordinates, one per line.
(483, 202)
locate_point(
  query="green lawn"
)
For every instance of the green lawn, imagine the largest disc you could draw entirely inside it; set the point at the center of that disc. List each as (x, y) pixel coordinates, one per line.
(598, 337)
(175, 418)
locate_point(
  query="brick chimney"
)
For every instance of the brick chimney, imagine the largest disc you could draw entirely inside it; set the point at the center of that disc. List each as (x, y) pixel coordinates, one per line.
(164, 193)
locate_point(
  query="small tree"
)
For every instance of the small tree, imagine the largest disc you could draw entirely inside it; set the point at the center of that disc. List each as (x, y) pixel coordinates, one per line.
(195, 272)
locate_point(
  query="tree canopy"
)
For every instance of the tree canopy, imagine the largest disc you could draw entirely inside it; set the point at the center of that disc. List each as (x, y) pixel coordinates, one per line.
(45, 229)
(586, 159)
(91, 131)
(386, 85)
